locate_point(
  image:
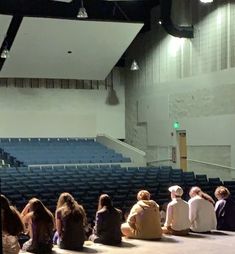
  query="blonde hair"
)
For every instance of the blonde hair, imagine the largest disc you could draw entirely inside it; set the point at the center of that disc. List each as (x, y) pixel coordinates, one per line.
(222, 192)
(67, 199)
(197, 191)
(69, 206)
(143, 195)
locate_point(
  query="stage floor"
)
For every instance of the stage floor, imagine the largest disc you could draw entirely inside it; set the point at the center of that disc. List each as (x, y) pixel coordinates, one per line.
(214, 243)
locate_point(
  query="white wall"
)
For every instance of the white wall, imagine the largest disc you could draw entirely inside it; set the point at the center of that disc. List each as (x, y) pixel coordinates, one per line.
(189, 81)
(27, 112)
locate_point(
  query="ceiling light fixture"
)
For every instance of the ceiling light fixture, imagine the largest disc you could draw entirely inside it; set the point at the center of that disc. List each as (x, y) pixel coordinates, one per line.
(206, 1)
(82, 13)
(5, 53)
(134, 66)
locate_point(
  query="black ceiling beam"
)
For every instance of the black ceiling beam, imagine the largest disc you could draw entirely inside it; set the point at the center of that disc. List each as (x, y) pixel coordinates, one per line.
(136, 11)
(169, 26)
(10, 35)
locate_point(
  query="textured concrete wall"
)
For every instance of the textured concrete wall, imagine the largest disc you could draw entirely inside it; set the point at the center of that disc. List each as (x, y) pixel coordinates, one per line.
(195, 76)
(210, 154)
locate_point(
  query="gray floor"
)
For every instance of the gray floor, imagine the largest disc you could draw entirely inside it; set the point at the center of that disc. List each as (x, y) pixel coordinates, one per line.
(215, 243)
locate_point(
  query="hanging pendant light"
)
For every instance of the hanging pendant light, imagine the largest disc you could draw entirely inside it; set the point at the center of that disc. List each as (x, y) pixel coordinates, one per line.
(134, 66)
(5, 53)
(82, 13)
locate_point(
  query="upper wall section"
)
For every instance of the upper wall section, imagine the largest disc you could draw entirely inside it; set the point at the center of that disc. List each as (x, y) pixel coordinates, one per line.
(41, 112)
(212, 48)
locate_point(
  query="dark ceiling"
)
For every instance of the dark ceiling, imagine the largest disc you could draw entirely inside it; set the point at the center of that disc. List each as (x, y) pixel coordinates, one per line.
(132, 10)
(104, 10)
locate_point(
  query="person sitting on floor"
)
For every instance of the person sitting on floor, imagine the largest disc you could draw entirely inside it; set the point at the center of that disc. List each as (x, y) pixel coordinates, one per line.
(39, 223)
(224, 209)
(163, 213)
(177, 213)
(70, 223)
(107, 229)
(12, 226)
(201, 211)
(143, 221)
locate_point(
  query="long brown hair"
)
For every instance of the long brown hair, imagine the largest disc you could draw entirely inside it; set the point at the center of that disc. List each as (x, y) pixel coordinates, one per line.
(105, 200)
(11, 220)
(196, 190)
(69, 206)
(41, 215)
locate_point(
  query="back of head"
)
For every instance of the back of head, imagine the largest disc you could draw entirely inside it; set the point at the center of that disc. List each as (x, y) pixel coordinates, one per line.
(40, 212)
(66, 199)
(70, 208)
(196, 191)
(176, 191)
(143, 195)
(11, 220)
(105, 200)
(222, 192)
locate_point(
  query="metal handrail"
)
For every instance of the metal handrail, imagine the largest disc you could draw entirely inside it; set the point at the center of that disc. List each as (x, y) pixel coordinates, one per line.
(211, 164)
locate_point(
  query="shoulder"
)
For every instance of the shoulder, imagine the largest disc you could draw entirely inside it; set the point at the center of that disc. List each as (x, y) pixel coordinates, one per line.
(194, 200)
(153, 203)
(58, 212)
(101, 211)
(135, 206)
(172, 203)
(221, 202)
(28, 216)
(118, 210)
(184, 202)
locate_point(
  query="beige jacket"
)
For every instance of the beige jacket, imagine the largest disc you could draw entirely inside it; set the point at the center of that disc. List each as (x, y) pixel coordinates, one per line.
(144, 219)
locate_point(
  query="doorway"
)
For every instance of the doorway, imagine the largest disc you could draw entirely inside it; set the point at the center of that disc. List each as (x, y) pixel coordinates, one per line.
(182, 141)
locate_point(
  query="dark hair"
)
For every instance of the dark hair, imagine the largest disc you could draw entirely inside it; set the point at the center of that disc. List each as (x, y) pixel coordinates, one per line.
(11, 221)
(105, 200)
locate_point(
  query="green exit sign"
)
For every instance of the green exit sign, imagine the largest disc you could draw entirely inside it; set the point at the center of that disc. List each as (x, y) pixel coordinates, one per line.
(176, 125)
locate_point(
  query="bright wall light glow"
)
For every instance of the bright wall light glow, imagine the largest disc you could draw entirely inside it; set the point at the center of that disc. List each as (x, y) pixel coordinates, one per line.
(175, 45)
(219, 19)
(206, 1)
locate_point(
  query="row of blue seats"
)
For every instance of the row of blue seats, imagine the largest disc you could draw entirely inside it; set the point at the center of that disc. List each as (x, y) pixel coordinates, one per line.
(67, 153)
(73, 161)
(16, 140)
(51, 145)
(86, 183)
(88, 151)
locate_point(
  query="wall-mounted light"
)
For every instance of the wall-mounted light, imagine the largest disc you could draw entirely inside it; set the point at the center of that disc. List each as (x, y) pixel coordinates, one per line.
(206, 1)
(82, 13)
